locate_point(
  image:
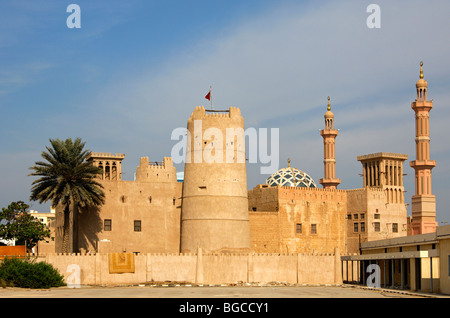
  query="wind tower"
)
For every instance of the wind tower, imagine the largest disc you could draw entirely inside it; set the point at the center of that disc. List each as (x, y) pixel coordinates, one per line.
(329, 135)
(423, 205)
(214, 213)
(109, 163)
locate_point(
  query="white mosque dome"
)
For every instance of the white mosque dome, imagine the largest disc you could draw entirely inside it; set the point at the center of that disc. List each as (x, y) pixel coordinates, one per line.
(291, 177)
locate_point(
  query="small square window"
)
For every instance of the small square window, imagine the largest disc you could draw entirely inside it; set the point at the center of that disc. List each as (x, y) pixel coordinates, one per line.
(349, 216)
(355, 216)
(395, 227)
(376, 216)
(107, 225)
(376, 226)
(362, 216)
(137, 225)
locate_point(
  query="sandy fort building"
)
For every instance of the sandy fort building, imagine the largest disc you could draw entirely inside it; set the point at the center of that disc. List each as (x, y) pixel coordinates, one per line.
(377, 210)
(211, 207)
(138, 216)
(289, 214)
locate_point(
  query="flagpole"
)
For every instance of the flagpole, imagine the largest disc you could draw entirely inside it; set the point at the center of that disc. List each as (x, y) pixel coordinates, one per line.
(210, 91)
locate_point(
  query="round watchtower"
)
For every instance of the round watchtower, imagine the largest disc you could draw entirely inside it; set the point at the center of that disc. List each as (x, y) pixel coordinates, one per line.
(214, 213)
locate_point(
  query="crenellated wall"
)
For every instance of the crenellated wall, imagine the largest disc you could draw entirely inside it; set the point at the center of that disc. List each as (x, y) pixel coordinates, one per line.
(202, 268)
(156, 171)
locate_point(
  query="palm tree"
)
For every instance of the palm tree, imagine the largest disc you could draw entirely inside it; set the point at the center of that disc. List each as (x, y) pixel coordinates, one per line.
(68, 181)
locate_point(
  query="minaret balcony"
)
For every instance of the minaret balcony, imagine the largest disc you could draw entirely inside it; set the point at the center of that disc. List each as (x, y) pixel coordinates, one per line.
(426, 105)
(423, 164)
(330, 182)
(329, 132)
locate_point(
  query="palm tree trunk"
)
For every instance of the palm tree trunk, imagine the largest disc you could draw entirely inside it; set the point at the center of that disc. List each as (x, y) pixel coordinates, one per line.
(66, 231)
(70, 236)
(75, 228)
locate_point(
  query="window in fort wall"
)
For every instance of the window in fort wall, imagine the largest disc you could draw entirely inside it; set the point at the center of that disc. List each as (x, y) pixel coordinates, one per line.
(298, 228)
(313, 228)
(395, 227)
(107, 225)
(376, 226)
(137, 225)
(363, 227)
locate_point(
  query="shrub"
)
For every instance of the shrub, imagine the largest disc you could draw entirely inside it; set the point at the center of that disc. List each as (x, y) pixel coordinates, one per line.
(26, 273)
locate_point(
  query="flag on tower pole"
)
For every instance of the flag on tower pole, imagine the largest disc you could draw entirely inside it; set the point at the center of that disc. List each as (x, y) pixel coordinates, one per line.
(209, 96)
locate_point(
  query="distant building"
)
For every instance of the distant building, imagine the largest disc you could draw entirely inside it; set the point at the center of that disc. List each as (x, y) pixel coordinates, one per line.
(7, 242)
(44, 217)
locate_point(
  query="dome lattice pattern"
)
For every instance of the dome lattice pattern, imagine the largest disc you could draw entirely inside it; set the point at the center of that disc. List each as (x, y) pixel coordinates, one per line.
(291, 177)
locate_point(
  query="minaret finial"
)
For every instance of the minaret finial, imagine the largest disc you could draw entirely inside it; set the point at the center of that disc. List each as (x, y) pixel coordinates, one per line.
(329, 107)
(421, 69)
(289, 162)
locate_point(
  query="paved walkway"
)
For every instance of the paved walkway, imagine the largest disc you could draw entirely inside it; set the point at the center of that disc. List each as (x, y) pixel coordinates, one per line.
(345, 291)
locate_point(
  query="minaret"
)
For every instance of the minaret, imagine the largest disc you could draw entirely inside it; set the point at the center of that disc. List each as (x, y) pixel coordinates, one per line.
(329, 135)
(423, 206)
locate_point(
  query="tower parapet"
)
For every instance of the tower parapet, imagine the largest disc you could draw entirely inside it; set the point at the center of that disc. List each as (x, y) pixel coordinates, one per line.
(156, 171)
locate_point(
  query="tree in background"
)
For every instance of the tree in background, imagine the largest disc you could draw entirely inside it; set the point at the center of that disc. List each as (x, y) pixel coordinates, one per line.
(17, 224)
(69, 181)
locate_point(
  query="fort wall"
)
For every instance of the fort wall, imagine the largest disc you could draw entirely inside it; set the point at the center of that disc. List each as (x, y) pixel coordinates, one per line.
(199, 268)
(133, 213)
(297, 220)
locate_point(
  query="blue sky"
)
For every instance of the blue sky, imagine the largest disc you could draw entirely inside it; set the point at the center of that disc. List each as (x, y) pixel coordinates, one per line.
(136, 69)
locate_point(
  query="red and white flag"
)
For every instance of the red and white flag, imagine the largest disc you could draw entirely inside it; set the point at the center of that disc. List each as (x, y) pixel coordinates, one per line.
(208, 96)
